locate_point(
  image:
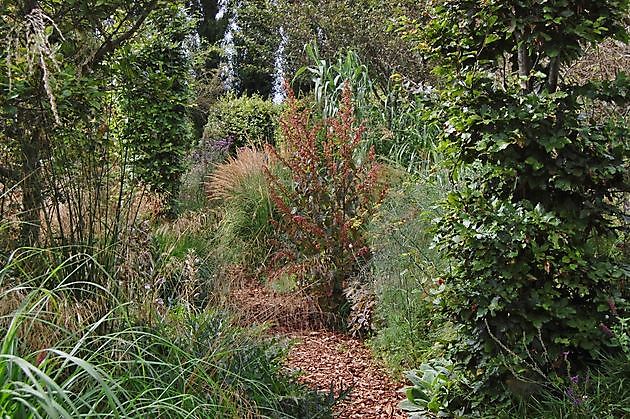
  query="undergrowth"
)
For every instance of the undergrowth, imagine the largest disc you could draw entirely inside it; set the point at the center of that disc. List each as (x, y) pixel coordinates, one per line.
(405, 271)
(180, 363)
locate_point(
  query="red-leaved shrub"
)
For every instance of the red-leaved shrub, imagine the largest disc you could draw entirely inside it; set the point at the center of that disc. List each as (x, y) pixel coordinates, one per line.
(325, 200)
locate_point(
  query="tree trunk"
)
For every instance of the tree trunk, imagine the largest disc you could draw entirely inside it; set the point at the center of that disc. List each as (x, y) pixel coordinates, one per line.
(524, 66)
(32, 202)
(554, 70)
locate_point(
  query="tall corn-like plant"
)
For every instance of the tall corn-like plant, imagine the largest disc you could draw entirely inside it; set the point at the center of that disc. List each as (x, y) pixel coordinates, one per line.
(330, 77)
(328, 200)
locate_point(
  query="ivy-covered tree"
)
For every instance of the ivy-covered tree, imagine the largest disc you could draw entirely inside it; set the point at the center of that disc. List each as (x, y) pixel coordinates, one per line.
(156, 97)
(52, 78)
(532, 283)
(208, 28)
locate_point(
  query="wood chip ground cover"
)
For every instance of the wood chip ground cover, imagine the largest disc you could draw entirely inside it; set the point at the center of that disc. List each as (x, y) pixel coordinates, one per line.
(327, 358)
(323, 358)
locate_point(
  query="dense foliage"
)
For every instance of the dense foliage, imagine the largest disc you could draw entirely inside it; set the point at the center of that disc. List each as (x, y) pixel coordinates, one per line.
(58, 100)
(327, 202)
(158, 203)
(155, 99)
(235, 122)
(532, 283)
(102, 301)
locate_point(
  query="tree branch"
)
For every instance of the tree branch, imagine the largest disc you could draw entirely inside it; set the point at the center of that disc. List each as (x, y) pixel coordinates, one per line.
(111, 44)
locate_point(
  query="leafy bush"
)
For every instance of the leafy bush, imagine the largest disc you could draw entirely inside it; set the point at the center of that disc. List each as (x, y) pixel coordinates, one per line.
(432, 390)
(529, 280)
(329, 199)
(156, 102)
(235, 122)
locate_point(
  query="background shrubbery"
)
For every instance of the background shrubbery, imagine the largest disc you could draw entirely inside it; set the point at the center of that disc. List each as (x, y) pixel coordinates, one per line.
(470, 221)
(235, 122)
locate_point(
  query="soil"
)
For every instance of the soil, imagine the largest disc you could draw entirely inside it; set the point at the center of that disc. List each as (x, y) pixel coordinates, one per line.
(323, 358)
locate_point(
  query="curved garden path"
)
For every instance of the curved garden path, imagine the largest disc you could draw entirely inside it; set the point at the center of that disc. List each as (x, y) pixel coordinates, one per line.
(328, 358)
(325, 359)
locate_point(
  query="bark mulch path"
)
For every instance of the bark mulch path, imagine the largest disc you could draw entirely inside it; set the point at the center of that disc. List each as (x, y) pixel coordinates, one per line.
(325, 359)
(329, 358)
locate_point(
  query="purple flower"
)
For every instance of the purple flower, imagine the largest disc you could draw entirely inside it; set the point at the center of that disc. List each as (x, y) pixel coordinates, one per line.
(223, 144)
(605, 329)
(575, 379)
(613, 307)
(574, 399)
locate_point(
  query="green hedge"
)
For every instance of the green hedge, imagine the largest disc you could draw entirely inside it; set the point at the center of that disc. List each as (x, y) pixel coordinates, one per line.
(238, 121)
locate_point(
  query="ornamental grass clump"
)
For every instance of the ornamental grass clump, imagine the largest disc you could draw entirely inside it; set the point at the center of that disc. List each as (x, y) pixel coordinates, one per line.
(325, 197)
(244, 207)
(61, 357)
(228, 177)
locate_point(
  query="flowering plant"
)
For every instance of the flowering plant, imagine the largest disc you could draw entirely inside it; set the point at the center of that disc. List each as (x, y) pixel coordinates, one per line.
(330, 195)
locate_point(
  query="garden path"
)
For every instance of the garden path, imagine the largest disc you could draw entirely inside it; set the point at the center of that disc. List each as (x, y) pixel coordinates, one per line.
(338, 360)
(326, 359)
